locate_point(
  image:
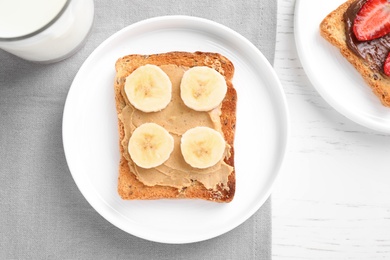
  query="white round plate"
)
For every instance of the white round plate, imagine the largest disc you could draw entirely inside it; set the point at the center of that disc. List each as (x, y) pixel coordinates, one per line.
(335, 79)
(90, 131)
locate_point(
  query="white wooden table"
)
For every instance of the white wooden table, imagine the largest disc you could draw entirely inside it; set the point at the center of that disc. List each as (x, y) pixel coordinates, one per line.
(332, 199)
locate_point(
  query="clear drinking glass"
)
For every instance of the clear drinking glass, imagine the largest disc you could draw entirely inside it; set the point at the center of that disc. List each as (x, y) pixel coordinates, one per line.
(44, 31)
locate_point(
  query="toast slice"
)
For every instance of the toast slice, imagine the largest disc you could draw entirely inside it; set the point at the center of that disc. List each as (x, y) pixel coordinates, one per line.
(332, 28)
(129, 186)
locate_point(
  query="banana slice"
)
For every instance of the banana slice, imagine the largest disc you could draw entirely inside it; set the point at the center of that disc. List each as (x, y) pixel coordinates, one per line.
(148, 88)
(150, 145)
(202, 147)
(202, 88)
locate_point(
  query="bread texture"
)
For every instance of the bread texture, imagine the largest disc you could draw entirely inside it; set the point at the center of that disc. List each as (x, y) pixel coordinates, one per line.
(332, 28)
(129, 187)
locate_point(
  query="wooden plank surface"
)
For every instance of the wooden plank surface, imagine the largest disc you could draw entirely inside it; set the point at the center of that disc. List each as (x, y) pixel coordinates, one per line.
(332, 199)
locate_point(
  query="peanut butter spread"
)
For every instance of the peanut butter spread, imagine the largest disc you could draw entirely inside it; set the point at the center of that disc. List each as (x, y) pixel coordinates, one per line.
(177, 118)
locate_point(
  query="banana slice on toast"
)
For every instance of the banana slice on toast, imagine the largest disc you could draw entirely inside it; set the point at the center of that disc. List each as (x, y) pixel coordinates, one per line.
(148, 88)
(202, 88)
(202, 147)
(150, 145)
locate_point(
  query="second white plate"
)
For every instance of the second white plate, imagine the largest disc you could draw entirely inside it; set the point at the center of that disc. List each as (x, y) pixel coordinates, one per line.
(90, 131)
(335, 79)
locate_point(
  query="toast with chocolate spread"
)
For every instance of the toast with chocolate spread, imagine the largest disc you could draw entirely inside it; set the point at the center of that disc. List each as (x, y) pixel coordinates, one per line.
(336, 28)
(134, 183)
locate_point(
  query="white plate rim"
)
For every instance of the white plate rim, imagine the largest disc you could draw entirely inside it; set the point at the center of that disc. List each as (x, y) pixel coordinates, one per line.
(91, 198)
(368, 119)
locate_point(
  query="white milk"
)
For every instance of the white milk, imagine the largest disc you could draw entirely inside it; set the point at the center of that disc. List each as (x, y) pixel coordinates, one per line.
(44, 30)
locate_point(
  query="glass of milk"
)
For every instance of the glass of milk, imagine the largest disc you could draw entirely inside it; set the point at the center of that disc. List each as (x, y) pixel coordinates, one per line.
(44, 31)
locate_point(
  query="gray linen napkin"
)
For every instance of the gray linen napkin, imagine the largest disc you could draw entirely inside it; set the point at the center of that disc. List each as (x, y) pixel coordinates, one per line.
(43, 214)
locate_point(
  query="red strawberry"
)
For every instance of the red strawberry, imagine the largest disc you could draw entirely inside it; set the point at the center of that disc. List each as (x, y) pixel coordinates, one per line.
(386, 66)
(373, 20)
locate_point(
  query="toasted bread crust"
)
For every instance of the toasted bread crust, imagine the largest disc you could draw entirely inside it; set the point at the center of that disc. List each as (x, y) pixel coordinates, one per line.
(332, 28)
(129, 188)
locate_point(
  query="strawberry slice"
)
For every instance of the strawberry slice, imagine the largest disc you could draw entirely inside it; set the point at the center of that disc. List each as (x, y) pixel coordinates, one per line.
(373, 20)
(386, 66)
